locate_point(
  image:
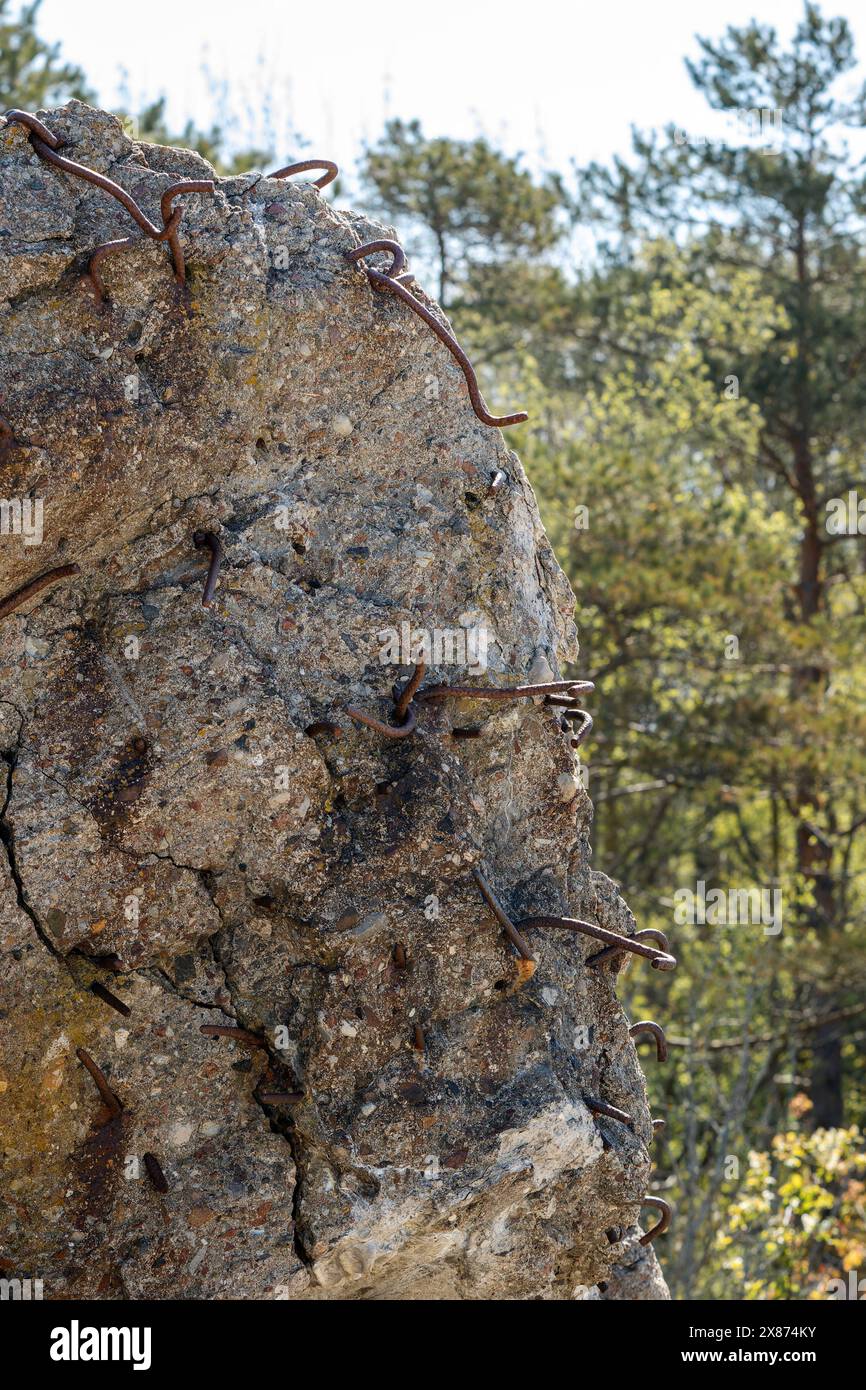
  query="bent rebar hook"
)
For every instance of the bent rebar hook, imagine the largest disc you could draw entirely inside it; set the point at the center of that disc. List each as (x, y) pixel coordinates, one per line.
(394, 281)
(656, 1031)
(331, 171)
(403, 706)
(648, 934)
(46, 145)
(661, 960)
(663, 1223)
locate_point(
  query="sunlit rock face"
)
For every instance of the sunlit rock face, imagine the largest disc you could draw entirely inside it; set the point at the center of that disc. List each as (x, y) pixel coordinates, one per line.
(193, 822)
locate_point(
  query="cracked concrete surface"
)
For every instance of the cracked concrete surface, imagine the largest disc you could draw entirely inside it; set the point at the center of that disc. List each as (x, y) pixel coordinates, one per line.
(182, 825)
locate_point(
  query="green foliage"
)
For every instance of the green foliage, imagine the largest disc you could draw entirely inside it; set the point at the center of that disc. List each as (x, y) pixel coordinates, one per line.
(794, 1222)
(473, 205)
(31, 73)
(706, 521)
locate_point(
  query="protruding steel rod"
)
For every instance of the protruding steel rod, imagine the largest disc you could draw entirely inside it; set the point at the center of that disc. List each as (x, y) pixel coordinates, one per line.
(94, 267)
(656, 1031)
(388, 730)
(241, 1035)
(155, 1173)
(35, 586)
(404, 699)
(331, 171)
(601, 1107)
(648, 934)
(115, 1105)
(392, 281)
(171, 218)
(504, 692)
(578, 735)
(499, 912)
(660, 959)
(111, 999)
(34, 125)
(46, 146)
(662, 1225)
(209, 540)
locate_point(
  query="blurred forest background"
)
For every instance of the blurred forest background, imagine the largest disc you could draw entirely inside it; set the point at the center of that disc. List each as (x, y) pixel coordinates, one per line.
(687, 327)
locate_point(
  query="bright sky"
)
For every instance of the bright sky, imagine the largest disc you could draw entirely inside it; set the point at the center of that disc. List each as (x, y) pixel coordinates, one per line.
(554, 79)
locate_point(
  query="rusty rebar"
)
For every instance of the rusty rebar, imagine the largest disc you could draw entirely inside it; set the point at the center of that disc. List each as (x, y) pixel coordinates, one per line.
(388, 730)
(662, 1225)
(419, 1042)
(648, 934)
(331, 171)
(601, 1107)
(93, 273)
(394, 249)
(70, 166)
(661, 960)
(281, 1097)
(209, 540)
(111, 999)
(34, 125)
(115, 1105)
(110, 962)
(35, 586)
(155, 1173)
(241, 1035)
(404, 699)
(171, 218)
(578, 735)
(400, 956)
(404, 708)
(46, 146)
(567, 701)
(501, 915)
(505, 692)
(392, 281)
(656, 1031)
(571, 710)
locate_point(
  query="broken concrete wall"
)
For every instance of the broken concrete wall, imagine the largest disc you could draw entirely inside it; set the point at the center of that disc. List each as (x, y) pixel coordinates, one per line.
(192, 821)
